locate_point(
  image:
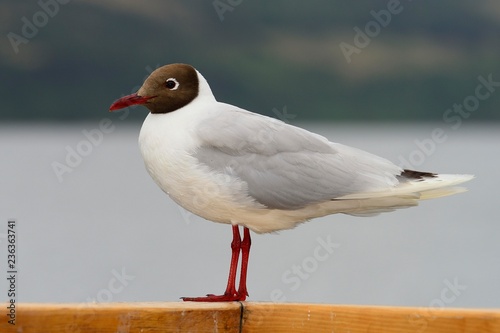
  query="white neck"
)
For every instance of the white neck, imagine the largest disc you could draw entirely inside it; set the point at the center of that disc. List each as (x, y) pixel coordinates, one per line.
(204, 91)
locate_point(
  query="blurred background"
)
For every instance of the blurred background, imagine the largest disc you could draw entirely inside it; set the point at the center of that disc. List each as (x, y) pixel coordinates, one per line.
(414, 81)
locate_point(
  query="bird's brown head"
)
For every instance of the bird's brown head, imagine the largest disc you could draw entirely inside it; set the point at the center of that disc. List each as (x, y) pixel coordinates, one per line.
(167, 89)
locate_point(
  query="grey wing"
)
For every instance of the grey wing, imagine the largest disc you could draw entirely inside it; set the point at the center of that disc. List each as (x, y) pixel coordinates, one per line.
(286, 167)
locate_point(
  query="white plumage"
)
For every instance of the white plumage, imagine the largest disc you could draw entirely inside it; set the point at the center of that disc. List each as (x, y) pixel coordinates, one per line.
(229, 165)
(233, 166)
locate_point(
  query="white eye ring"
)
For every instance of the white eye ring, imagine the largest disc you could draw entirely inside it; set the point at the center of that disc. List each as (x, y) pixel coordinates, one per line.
(169, 81)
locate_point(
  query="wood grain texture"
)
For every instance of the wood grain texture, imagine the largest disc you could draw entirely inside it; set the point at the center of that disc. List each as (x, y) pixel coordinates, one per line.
(126, 318)
(256, 317)
(356, 319)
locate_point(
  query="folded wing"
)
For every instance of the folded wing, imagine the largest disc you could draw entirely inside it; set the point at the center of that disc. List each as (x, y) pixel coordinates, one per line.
(286, 167)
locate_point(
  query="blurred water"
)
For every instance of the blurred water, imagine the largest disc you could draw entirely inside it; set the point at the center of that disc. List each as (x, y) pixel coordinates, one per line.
(105, 232)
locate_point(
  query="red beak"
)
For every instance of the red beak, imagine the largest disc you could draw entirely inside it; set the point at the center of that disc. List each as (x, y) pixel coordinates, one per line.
(129, 100)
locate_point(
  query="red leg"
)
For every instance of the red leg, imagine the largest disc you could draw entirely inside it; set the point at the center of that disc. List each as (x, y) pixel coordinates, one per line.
(245, 253)
(231, 294)
(235, 254)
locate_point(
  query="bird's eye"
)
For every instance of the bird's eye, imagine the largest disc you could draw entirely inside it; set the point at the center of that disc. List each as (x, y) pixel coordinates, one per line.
(172, 84)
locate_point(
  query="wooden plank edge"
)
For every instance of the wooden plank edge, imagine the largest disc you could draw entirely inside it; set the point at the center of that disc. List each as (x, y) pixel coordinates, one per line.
(245, 317)
(292, 317)
(125, 317)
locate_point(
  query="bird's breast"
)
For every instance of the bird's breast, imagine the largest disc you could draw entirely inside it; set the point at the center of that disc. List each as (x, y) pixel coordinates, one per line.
(167, 149)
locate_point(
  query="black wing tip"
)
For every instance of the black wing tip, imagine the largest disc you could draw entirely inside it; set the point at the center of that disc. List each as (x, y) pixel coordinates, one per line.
(412, 174)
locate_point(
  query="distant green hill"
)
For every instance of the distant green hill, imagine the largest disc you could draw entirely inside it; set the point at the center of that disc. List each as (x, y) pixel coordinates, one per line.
(323, 60)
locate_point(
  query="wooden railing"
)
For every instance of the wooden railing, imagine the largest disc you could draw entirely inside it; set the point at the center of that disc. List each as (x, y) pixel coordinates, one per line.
(245, 317)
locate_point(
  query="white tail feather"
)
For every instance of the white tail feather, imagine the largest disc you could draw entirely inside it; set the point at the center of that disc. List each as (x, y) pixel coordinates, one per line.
(425, 188)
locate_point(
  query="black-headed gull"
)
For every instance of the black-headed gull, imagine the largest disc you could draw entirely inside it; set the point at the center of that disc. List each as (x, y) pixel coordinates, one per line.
(230, 165)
